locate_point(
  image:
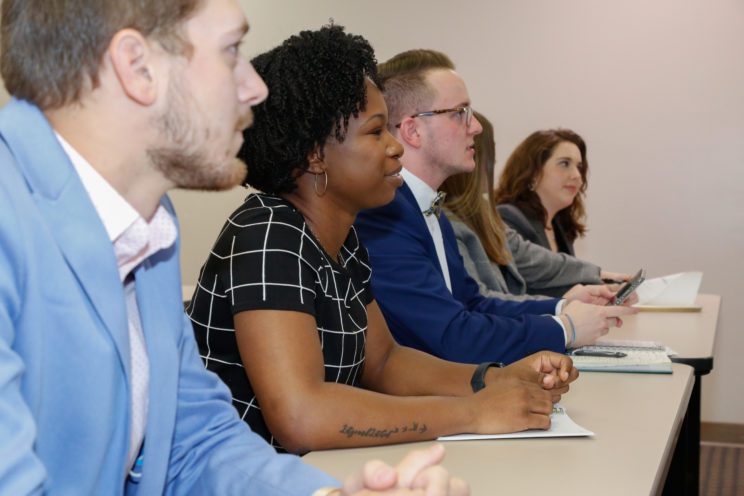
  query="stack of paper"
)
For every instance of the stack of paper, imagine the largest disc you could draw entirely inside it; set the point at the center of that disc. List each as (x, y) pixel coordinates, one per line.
(675, 292)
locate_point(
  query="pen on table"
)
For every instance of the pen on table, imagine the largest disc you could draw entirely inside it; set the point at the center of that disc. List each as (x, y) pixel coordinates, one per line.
(599, 353)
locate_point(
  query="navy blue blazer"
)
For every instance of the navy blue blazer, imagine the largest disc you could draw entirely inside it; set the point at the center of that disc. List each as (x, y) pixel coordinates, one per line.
(461, 325)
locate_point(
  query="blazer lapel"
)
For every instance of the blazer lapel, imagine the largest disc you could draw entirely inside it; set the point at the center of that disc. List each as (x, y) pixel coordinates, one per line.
(71, 217)
(537, 225)
(451, 251)
(161, 309)
(407, 195)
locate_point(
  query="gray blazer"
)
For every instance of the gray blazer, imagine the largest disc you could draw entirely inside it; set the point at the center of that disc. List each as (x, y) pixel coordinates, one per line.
(531, 269)
(531, 229)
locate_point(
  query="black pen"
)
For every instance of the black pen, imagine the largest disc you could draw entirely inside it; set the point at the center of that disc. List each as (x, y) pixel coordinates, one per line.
(599, 353)
(608, 280)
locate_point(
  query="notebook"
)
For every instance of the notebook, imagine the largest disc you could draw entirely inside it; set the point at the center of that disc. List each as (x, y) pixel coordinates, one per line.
(648, 357)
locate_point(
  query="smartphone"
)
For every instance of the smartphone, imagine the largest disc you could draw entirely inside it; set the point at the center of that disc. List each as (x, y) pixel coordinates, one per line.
(628, 288)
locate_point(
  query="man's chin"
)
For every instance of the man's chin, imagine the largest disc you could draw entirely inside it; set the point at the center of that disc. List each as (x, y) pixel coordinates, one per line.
(229, 176)
(232, 175)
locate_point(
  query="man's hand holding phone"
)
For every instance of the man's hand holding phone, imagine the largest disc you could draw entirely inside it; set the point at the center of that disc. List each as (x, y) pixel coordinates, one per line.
(590, 322)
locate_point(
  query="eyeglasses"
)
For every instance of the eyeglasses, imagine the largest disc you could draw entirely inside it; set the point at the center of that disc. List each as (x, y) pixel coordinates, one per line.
(467, 111)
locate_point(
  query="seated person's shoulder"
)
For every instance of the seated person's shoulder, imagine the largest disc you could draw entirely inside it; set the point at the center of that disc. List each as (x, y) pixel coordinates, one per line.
(461, 230)
(264, 212)
(515, 218)
(259, 207)
(260, 220)
(510, 211)
(395, 209)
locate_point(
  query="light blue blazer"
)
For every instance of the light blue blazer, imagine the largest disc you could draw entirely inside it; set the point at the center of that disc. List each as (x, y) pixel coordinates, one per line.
(64, 352)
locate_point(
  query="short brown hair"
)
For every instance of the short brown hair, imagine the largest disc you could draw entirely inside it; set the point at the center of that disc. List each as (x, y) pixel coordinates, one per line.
(465, 196)
(51, 50)
(523, 168)
(406, 90)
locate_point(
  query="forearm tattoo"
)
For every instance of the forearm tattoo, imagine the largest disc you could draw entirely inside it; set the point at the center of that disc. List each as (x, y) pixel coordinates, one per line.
(351, 431)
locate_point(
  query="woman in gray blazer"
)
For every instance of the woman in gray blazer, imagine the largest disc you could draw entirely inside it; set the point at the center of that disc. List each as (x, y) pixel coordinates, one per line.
(541, 189)
(504, 264)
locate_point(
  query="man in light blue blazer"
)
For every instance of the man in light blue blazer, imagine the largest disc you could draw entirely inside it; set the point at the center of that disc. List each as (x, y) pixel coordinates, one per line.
(418, 275)
(101, 387)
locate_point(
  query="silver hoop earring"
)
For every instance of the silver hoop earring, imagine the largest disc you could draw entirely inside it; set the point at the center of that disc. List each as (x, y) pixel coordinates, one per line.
(325, 184)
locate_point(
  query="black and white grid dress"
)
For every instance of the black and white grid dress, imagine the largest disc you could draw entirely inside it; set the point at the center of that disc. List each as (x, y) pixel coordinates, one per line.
(266, 258)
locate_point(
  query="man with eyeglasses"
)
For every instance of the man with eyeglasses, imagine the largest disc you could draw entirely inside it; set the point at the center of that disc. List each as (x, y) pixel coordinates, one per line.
(418, 276)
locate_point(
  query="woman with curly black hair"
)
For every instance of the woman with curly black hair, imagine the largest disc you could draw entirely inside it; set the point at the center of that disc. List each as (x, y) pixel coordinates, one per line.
(284, 312)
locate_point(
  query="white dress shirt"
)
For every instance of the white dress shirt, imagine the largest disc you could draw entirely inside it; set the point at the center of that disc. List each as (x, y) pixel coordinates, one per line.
(424, 196)
(134, 239)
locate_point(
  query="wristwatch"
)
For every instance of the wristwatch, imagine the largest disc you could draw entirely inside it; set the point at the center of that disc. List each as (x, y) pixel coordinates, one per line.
(477, 382)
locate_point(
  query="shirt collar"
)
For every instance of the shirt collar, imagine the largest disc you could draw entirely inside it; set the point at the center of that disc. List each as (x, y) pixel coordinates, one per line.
(421, 191)
(115, 212)
(134, 238)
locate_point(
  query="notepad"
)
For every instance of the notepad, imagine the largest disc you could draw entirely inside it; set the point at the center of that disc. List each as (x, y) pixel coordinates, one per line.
(561, 425)
(675, 292)
(648, 357)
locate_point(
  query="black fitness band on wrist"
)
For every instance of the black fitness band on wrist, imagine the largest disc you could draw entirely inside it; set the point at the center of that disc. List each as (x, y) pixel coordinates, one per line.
(478, 382)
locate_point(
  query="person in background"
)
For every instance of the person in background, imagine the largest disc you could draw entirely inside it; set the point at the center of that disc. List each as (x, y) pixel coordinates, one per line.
(541, 189)
(418, 277)
(283, 310)
(101, 387)
(503, 263)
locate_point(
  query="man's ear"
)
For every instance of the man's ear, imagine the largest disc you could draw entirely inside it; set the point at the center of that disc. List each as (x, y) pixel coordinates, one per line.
(409, 132)
(132, 61)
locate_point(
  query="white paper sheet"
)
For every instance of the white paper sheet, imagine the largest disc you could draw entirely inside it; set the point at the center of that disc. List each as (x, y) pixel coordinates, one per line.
(561, 425)
(674, 290)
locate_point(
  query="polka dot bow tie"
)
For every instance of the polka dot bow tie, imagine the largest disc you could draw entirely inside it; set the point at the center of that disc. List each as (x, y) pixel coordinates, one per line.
(436, 205)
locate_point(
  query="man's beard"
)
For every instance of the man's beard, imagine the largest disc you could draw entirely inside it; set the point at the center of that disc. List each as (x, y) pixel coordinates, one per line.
(182, 161)
(189, 169)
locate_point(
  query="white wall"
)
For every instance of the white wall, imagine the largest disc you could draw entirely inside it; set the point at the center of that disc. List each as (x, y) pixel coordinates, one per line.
(656, 89)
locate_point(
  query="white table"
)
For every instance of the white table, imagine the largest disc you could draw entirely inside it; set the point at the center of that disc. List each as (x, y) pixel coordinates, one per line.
(635, 417)
(693, 336)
